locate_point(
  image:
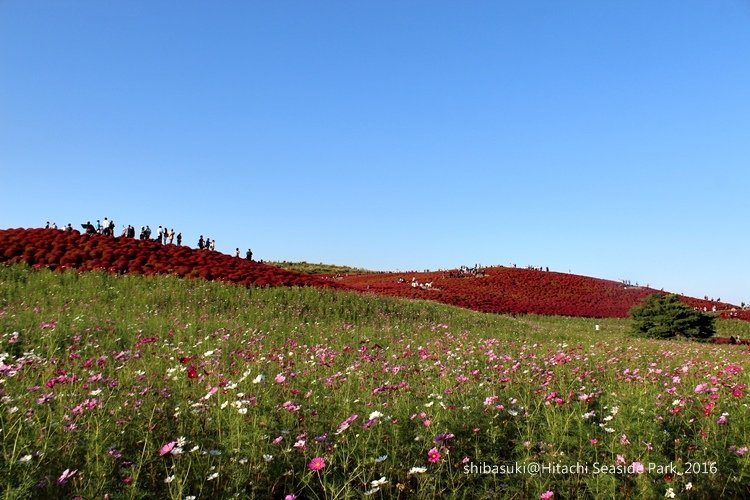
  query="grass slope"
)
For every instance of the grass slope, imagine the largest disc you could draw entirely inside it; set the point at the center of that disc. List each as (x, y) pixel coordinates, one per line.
(311, 268)
(157, 387)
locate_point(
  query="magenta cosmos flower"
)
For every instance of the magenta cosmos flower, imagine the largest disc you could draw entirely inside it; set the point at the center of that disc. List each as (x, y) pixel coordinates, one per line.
(433, 456)
(167, 448)
(316, 464)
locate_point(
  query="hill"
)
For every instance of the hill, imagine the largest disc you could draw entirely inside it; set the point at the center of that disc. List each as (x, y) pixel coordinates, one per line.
(519, 291)
(495, 290)
(59, 250)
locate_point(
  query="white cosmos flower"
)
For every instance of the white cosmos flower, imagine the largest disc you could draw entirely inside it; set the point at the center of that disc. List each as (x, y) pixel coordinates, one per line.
(378, 483)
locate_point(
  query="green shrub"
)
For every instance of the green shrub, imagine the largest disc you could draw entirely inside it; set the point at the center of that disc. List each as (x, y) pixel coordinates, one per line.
(664, 316)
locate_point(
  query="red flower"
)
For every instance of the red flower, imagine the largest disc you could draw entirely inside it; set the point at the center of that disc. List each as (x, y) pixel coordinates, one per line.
(192, 372)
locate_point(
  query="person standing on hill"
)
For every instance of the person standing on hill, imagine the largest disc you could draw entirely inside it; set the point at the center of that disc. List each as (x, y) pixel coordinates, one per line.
(201, 243)
(237, 253)
(249, 254)
(179, 238)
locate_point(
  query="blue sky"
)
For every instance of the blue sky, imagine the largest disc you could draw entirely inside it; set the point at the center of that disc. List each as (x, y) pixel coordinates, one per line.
(607, 139)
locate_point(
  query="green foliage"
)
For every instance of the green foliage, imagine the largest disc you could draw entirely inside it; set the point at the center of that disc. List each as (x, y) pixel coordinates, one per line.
(664, 316)
(311, 268)
(507, 389)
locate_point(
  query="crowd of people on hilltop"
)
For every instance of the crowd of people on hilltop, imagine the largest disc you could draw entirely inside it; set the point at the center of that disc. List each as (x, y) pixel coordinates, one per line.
(69, 227)
(466, 271)
(207, 244)
(164, 235)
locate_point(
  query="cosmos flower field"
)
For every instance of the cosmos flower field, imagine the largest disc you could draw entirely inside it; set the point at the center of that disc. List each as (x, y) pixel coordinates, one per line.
(158, 387)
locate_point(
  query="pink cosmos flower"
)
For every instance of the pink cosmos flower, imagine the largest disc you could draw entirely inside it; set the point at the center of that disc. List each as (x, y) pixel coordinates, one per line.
(638, 467)
(67, 474)
(167, 448)
(280, 378)
(290, 406)
(316, 464)
(43, 399)
(547, 495)
(433, 456)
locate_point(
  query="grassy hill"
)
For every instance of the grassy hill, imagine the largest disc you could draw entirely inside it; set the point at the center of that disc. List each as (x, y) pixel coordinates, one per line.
(160, 387)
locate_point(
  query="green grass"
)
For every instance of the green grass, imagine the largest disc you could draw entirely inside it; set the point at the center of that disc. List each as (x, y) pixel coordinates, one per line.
(508, 388)
(311, 268)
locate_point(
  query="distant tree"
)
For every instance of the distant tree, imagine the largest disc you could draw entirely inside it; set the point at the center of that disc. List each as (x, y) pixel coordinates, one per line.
(664, 316)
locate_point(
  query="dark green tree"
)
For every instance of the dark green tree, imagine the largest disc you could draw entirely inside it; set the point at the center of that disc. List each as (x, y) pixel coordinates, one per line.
(664, 316)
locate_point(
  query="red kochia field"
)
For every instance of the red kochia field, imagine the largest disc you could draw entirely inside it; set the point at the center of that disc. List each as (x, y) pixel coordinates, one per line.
(518, 291)
(58, 249)
(500, 290)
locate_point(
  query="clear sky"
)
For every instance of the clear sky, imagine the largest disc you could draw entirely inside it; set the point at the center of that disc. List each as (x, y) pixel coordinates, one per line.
(610, 139)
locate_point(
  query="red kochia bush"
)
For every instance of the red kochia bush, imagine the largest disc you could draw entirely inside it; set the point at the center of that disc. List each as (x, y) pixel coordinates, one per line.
(519, 291)
(57, 249)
